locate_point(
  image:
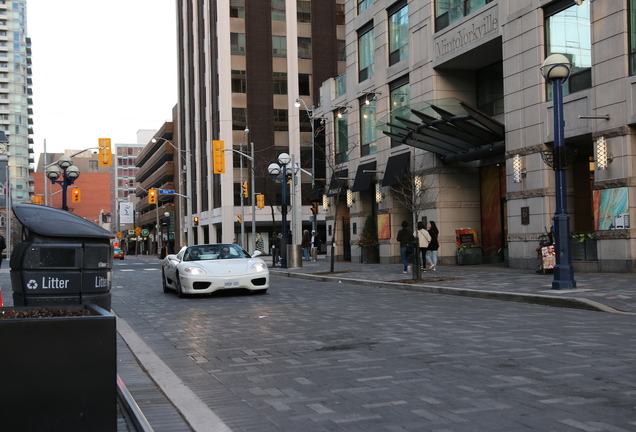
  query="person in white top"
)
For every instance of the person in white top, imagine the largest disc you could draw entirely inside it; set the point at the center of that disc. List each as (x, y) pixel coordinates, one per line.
(423, 239)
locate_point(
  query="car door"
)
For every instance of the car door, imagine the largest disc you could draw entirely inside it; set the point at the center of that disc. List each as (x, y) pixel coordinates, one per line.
(171, 262)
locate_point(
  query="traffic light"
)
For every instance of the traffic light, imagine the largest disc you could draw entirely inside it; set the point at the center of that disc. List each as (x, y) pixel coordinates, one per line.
(246, 192)
(239, 218)
(75, 195)
(152, 196)
(218, 157)
(105, 152)
(314, 207)
(260, 201)
(195, 221)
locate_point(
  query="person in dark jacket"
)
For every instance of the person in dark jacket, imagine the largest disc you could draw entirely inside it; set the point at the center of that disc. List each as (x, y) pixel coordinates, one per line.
(274, 242)
(405, 237)
(433, 246)
(306, 245)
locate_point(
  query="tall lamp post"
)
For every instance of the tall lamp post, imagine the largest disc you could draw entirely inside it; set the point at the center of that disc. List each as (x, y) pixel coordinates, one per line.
(275, 170)
(556, 70)
(310, 114)
(68, 172)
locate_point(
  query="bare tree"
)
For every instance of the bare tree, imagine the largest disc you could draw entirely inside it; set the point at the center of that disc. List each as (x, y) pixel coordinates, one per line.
(417, 192)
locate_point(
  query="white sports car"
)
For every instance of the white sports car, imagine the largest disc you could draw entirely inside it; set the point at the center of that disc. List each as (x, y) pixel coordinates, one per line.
(204, 269)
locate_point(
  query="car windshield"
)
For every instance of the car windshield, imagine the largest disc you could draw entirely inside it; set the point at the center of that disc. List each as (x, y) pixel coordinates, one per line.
(214, 252)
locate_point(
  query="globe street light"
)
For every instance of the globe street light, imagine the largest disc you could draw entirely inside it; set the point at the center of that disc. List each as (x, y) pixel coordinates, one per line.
(68, 172)
(556, 70)
(275, 170)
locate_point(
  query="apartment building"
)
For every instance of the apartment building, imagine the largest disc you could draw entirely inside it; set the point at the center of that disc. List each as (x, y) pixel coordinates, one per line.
(243, 64)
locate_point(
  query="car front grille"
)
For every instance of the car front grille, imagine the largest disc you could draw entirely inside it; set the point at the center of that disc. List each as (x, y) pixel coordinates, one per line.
(200, 285)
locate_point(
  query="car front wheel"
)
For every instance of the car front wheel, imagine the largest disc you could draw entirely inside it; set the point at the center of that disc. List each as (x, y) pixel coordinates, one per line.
(179, 288)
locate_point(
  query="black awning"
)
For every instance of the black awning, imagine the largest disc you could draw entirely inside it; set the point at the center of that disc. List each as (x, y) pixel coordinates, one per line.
(448, 127)
(395, 168)
(338, 182)
(316, 192)
(363, 179)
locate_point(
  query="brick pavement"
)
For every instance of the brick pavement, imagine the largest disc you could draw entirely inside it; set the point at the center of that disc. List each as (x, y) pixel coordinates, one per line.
(594, 290)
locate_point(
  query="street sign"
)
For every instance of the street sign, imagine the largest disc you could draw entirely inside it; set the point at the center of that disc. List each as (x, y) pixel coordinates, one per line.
(119, 235)
(137, 230)
(166, 191)
(145, 232)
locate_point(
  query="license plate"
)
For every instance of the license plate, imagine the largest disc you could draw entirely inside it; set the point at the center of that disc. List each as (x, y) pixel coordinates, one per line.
(231, 284)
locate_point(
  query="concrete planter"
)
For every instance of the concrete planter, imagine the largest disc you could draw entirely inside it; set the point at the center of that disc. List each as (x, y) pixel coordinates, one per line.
(60, 373)
(470, 256)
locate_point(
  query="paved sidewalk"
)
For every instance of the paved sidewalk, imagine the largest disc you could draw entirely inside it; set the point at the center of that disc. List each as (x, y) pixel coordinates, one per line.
(609, 292)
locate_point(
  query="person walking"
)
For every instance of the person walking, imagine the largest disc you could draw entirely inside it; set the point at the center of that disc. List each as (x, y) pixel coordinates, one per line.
(260, 243)
(306, 245)
(405, 238)
(423, 240)
(274, 242)
(315, 242)
(433, 246)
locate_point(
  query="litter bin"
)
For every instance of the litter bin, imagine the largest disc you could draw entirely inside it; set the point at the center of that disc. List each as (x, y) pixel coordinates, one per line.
(63, 259)
(294, 256)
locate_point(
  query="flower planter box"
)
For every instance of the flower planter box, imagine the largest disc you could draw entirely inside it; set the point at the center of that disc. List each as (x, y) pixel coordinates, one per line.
(469, 256)
(60, 373)
(583, 250)
(369, 255)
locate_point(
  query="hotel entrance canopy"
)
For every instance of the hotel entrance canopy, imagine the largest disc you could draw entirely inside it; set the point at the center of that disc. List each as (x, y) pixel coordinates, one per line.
(448, 127)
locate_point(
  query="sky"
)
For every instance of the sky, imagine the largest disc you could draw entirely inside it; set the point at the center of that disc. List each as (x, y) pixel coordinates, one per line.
(100, 70)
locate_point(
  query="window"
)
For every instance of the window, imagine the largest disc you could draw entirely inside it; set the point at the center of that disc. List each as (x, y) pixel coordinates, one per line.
(278, 10)
(632, 37)
(364, 5)
(366, 52)
(342, 50)
(239, 118)
(341, 136)
(92, 165)
(304, 85)
(368, 143)
(449, 11)
(280, 83)
(490, 92)
(398, 33)
(279, 46)
(305, 120)
(237, 8)
(340, 14)
(400, 97)
(237, 43)
(281, 121)
(239, 82)
(303, 11)
(304, 48)
(568, 32)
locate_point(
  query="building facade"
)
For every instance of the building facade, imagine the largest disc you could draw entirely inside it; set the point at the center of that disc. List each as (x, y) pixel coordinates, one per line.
(242, 66)
(443, 114)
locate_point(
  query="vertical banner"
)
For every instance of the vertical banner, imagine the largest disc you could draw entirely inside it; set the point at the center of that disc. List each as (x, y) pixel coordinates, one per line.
(126, 213)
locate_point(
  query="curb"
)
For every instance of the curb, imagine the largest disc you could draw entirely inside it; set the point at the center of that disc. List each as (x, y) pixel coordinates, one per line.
(544, 300)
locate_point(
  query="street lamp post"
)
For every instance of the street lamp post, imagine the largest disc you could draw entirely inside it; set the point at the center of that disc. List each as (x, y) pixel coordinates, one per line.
(310, 114)
(68, 172)
(556, 70)
(275, 170)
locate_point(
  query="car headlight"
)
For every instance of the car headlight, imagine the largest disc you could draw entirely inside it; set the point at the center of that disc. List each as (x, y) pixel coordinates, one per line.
(194, 270)
(259, 267)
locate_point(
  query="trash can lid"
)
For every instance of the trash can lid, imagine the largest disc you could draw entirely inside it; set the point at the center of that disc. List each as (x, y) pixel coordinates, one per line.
(53, 222)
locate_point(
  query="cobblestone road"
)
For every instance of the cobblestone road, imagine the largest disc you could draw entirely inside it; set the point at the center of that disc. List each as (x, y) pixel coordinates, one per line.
(312, 356)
